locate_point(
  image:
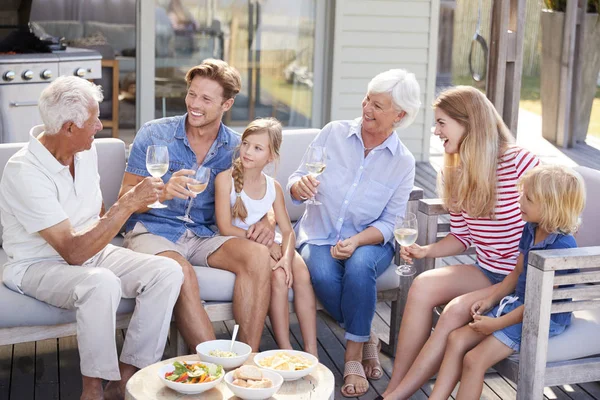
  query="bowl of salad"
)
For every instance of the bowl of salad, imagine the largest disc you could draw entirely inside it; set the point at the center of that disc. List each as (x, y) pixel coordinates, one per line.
(192, 376)
(217, 352)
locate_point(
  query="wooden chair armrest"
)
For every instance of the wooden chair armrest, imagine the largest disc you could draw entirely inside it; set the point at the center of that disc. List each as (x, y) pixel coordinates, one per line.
(561, 259)
(432, 207)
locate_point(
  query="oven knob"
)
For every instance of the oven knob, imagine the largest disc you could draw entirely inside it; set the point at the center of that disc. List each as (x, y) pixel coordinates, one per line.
(28, 75)
(9, 76)
(46, 74)
(80, 72)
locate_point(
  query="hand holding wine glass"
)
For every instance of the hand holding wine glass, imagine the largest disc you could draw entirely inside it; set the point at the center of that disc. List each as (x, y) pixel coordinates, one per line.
(315, 164)
(197, 186)
(405, 233)
(157, 163)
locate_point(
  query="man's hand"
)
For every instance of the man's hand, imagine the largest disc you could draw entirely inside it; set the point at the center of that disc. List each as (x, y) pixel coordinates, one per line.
(305, 188)
(144, 193)
(177, 185)
(285, 264)
(344, 249)
(484, 325)
(261, 232)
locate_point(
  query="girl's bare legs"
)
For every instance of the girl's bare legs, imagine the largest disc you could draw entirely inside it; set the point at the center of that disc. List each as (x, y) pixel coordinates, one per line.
(305, 304)
(460, 341)
(476, 362)
(279, 311)
(430, 289)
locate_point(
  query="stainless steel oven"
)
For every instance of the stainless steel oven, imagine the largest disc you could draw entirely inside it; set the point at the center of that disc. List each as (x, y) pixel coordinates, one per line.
(24, 73)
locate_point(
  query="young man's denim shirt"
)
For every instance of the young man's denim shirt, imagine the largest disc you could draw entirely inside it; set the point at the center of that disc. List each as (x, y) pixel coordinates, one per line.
(170, 132)
(552, 241)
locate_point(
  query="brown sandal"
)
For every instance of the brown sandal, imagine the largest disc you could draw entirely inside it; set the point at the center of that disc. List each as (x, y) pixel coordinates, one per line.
(353, 368)
(371, 351)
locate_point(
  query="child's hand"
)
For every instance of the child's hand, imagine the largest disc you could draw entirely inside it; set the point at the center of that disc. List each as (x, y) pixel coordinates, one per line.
(413, 251)
(275, 250)
(285, 264)
(484, 325)
(480, 307)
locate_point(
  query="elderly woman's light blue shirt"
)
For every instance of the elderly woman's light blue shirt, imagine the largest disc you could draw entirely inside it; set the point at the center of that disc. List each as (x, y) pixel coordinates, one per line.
(356, 191)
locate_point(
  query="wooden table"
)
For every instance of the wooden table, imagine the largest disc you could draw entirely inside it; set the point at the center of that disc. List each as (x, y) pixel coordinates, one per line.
(146, 385)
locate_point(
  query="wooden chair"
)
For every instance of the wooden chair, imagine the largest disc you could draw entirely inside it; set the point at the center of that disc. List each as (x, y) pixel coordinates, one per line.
(574, 356)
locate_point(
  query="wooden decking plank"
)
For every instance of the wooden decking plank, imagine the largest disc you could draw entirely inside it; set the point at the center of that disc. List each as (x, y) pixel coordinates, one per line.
(6, 353)
(593, 388)
(375, 387)
(499, 386)
(46, 370)
(333, 348)
(69, 372)
(23, 371)
(575, 392)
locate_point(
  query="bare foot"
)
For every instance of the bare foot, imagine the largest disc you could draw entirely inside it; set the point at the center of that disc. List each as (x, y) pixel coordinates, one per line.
(92, 389)
(354, 385)
(114, 390)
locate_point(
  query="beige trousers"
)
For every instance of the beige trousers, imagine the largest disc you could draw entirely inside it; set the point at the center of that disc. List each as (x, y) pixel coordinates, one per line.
(94, 290)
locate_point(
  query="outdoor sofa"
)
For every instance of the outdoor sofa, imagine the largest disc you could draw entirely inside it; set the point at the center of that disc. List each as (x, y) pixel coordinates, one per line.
(569, 358)
(24, 319)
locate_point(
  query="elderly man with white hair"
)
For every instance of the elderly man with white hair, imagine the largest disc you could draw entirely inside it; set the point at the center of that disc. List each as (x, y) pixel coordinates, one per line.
(56, 236)
(347, 241)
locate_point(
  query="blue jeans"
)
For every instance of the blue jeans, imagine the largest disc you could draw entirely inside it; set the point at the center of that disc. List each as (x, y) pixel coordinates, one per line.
(346, 288)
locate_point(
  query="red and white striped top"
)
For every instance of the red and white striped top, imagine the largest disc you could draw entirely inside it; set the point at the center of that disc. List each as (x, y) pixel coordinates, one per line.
(497, 240)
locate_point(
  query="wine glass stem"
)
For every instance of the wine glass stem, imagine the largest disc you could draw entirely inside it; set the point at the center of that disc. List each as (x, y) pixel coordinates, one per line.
(187, 212)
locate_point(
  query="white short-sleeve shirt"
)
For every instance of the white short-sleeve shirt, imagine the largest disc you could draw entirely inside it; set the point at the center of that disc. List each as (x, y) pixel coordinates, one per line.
(38, 192)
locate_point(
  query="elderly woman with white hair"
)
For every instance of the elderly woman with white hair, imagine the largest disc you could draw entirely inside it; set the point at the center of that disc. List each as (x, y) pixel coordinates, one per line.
(347, 240)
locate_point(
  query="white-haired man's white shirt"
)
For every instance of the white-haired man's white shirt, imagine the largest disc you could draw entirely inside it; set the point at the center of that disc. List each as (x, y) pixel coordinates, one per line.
(38, 192)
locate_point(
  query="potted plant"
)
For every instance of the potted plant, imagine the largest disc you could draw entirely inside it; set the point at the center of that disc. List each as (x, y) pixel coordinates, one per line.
(553, 21)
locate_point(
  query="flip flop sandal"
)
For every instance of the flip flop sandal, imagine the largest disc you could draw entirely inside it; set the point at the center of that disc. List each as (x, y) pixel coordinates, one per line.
(371, 351)
(353, 368)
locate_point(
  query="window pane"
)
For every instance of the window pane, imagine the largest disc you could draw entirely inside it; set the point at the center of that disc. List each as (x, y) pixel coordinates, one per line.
(107, 26)
(270, 42)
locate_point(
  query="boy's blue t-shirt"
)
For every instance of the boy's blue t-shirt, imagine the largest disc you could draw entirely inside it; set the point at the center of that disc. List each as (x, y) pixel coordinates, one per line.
(552, 241)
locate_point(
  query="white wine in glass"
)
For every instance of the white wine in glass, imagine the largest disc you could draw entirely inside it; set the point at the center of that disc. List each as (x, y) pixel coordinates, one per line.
(315, 165)
(405, 233)
(201, 178)
(157, 164)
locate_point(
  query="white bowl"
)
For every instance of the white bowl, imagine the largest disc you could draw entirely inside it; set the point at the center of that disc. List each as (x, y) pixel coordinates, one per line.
(255, 394)
(288, 375)
(187, 388)
(241, 349)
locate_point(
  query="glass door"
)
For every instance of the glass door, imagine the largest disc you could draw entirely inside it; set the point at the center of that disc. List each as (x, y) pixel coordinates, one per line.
(270, 42)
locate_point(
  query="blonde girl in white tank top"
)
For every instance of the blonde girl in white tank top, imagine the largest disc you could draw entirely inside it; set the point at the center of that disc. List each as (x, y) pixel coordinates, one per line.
(243, 196)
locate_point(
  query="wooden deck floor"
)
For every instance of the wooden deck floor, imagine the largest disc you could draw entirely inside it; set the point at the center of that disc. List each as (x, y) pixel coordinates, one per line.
(49, 369)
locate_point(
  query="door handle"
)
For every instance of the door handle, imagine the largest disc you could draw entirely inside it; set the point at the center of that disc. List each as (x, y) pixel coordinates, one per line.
(24, 104)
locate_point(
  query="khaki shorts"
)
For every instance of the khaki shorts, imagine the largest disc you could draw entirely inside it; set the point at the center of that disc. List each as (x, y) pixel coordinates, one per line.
(193, 248)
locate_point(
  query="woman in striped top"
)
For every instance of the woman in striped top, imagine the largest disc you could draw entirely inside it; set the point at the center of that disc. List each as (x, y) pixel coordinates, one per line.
(479, 188)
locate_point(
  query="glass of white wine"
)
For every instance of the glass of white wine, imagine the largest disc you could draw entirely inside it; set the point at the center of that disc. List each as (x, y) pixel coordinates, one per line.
(405, 232)
(201, 177)
(157, 164)
(315, 164)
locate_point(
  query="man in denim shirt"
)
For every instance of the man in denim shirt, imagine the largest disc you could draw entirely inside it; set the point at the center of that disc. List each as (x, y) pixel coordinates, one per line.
(199, 137)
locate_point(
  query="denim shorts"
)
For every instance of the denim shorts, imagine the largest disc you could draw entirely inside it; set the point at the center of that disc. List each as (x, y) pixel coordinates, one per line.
(511, 335)
(492, 276)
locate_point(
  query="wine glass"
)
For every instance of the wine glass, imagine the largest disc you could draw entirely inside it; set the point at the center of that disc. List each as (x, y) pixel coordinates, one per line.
(315, 164)
(405, 232)
(201, 177)
(157, 164)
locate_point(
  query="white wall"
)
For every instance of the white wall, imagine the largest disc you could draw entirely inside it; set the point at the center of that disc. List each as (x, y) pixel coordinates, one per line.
(372, 36)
